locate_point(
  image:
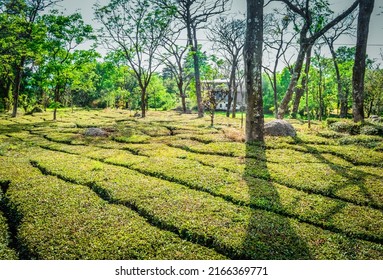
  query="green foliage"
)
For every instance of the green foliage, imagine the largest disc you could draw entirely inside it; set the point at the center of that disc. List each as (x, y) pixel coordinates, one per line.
(138, 28)
(371, 130)
(159, 97)
(349, 127)
(331, 121)
(6, 253)
(346, 126)
(364, 140)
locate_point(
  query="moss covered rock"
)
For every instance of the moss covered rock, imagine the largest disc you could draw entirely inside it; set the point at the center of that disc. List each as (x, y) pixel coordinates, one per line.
(280, 128)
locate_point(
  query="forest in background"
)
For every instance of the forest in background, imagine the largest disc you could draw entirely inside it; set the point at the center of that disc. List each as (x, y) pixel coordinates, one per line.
(150, 65)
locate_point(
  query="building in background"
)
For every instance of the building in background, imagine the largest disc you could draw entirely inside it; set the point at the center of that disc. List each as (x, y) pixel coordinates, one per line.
(220, 87)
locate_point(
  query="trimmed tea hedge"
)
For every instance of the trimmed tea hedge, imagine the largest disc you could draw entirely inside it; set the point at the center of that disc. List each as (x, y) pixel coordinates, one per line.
(169, 186)
(6, 253)
(61, 220)
(200, 216)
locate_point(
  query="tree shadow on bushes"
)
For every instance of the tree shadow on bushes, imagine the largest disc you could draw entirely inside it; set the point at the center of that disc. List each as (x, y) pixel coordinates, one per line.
(270, 235)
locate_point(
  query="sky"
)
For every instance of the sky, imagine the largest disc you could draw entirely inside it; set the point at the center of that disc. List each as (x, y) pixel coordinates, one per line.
(375, 42)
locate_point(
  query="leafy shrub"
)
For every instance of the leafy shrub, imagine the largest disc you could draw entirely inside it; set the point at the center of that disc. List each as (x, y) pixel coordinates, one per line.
(331, 134)
(369, 130)
(6, 253)
(330, 121)
(139, 139)
(367, 141)
(346, 127)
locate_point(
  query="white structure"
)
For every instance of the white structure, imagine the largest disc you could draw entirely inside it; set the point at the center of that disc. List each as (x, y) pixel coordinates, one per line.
(219, 86)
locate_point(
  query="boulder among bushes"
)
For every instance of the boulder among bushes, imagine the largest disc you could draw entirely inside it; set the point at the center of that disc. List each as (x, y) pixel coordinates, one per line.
(95, 131)
(279, 128)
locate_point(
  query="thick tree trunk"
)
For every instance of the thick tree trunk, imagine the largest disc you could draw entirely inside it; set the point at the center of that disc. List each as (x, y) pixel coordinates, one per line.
(253, 71)
(365, 10)
(299, 91)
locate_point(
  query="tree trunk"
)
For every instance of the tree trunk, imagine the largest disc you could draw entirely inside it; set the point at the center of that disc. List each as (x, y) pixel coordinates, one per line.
(341, 95)
(5, 92)
(56, 100)
(300, 91)
(229, 103)
(231, 89)
(369, 110)
(183, 100)
(304, 44)
(294, 79)
(275, 94)
(180, 86)
(197, 75)
(235, 97)
(343, 104)
(253, 71)
(365, 10)
(307, 106)
(17, 86)
(143, 103)
(320, 93)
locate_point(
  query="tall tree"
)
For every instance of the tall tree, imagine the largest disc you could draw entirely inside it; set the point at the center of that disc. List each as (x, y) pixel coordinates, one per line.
(64, 34)
(194, 15)
(300, 90)
(228, 36)
(25, 14)
(275, 40)
(343, 28)
(309, 33)
(253, 71)
(365, 10)
(174, 60)
(373, 91)
(137, 28)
